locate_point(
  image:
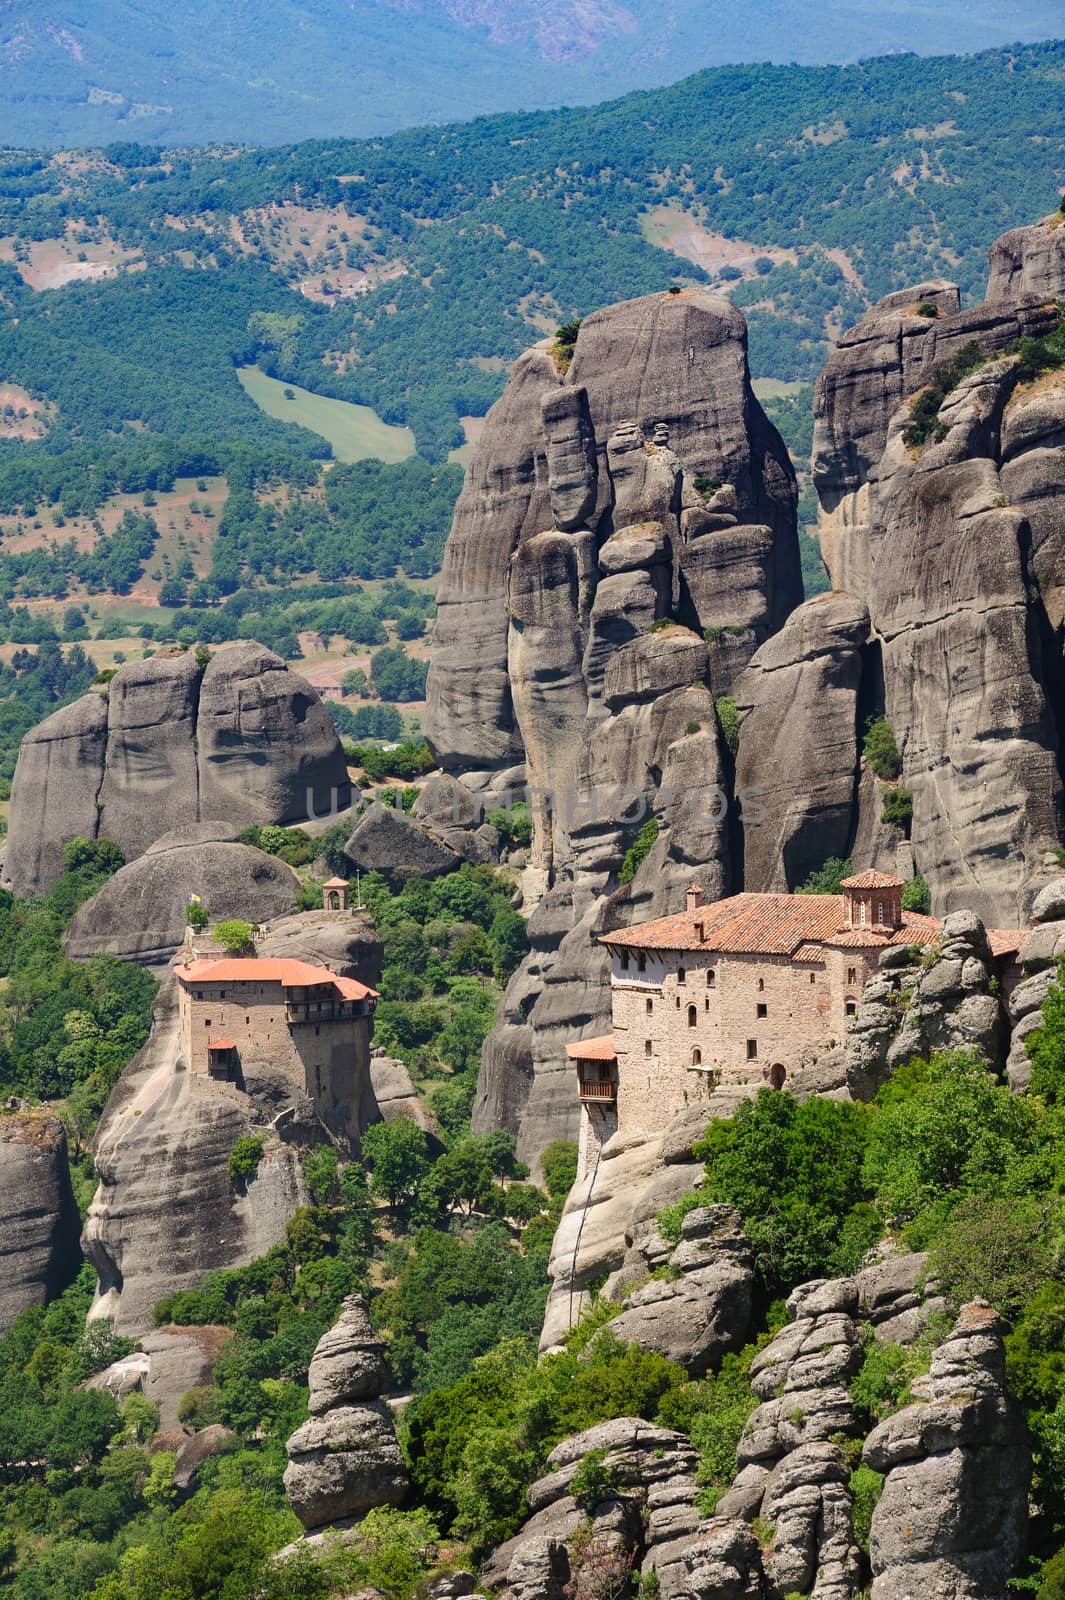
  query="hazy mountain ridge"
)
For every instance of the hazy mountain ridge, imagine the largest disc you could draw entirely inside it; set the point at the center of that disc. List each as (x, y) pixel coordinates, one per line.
(268, 72)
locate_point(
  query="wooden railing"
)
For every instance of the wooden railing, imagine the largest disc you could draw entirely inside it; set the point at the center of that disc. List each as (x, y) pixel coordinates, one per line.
(596, 1089)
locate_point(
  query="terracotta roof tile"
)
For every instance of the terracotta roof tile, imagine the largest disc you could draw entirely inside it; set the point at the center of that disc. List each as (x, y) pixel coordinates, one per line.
(335, 883)
(601, 1049)
(221, 1044)
(288, 973)
(872, 880)
(1006, 941)
(768, 924)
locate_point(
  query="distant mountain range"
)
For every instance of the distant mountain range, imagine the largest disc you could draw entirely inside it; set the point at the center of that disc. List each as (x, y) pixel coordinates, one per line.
(271, 71)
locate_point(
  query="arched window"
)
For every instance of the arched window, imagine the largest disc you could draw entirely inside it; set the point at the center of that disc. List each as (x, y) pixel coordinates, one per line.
(693, 1016)
(880, 913)
(861, 914)
(711, 977)
(641, 962)
(682, 976)
(761, 986)
(697, 1057)
(777, 1075)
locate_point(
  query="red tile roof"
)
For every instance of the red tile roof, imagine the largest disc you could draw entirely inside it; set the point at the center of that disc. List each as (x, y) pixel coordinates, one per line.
(872, 880)
(221, 1044)
(769, 924)
(288, 973)
(601, 1049)
(1006, 941)
(335, 883)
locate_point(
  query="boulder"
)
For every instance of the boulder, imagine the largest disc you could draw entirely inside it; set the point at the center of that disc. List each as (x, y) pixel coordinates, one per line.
(38, 1216)
(396, 1096)
(387, 841)
(345, 1463)
(348, 1362)
(695, 1318)
(140, 914)
(345, 1459)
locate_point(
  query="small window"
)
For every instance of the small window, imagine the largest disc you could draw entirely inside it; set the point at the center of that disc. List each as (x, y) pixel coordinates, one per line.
(761, 986)
(852, 974)
(851, 1008)
(317, 1030)
(207, 1022)
(697, 1058)
(641, 962)
(706, 1003)
(693, 1016)
(861, 914)
(247, 1020)
(752, 1049)
(813, 977)
(647, 1047)
(682, 976)
(880, 912)
(199, 994)
(761, 1009)
(221, 994)
(624, 961)
(649, 1006)
(711, 977)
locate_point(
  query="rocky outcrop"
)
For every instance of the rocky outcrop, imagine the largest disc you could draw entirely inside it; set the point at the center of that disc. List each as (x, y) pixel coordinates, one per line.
(702, 1308)
(635, 1526)
(140, 914)
(396, 1096)
(166, 1364)
(648, 500)
(1039, 957)
(948, 999)
(945, 542)
(387, 841)
(241, 740)
(38, 1216)
(952, 1516)
(607, 1230)
(345, 1459)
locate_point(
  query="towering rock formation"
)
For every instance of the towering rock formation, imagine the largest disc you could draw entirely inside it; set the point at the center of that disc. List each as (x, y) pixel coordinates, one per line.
(345, 1459)
(623, 556)
(616, 512)
(243, 740)
(953, 546)
(38, 1215)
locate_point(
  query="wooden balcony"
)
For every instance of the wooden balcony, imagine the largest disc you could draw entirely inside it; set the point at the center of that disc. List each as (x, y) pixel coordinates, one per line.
(599, 1090)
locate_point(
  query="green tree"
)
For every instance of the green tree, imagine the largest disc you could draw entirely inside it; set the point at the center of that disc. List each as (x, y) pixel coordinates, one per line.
(879, 749)
(235, 937)
(397, 1154)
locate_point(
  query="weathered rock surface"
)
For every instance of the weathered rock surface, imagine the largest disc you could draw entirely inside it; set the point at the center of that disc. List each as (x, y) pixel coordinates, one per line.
(695, 1318)
(345, 1459)
(388, 841)
(949, 1000)
(38, 1216)
(166, 1210)
(244, 740)
(396, 1096)
(952, 1515)
(583, 565)
(140, 913)
(607, 1223)
(799, 700)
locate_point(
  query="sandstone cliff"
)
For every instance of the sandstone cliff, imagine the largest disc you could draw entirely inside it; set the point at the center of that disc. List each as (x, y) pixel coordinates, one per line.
(243, 740)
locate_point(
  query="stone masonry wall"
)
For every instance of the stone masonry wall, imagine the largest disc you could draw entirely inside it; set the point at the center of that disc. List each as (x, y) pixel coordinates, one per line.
(805, 1005)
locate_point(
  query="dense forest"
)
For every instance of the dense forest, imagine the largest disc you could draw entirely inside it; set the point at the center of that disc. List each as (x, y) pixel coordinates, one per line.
(476, 236)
